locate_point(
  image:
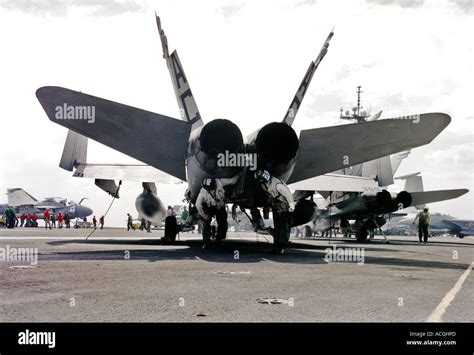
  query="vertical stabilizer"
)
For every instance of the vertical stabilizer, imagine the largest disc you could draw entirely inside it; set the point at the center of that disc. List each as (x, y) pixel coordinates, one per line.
(300, 93)
(19, 197)
(413, 182)
(74, 152)
(187, 105)
(396, 160)
(379, 169)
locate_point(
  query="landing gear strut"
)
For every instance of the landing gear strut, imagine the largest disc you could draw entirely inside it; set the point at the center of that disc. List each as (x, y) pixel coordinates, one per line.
(385, 239)
(362, 234)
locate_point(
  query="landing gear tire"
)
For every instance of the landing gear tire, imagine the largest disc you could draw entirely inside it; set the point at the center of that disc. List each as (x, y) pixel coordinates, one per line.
(361, 235)
(307, 232)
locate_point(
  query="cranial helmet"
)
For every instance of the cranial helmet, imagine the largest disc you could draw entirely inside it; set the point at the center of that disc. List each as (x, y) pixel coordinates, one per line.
(262, 176)
(208, 183)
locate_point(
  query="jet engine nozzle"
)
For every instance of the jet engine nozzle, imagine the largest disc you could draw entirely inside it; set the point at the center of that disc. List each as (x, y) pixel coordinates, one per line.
(150, 207)
(305, 211)
(216, 149)
(403, 199)
(220, 136)
(276, 143)
(383, 198)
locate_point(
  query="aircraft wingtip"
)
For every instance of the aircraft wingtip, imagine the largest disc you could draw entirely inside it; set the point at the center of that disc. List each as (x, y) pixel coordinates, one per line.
(447, 117)
(39, 92)
(443, 119)
(45, 90)
(42, 92)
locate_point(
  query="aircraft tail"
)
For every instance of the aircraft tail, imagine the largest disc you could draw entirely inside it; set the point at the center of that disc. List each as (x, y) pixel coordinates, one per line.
(384, 169)
(380, 170)
(187, 105)
(300, 93)
(19, 197)
(413, 182)
(396, 159)
(74, 151)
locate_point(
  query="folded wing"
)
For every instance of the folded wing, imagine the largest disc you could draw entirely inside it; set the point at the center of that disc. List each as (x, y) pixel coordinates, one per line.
(325, 150)
(154, 139)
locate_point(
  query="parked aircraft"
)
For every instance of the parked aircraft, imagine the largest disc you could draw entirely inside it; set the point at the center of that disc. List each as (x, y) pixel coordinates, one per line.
(370, 209)
(439, 224)
(187, 149)
(23, 202)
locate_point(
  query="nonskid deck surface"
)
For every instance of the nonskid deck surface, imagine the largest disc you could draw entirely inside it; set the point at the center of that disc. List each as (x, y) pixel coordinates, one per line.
(130, 276)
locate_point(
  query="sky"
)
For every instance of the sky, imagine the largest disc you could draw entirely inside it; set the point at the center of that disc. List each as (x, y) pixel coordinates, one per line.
(244, 61)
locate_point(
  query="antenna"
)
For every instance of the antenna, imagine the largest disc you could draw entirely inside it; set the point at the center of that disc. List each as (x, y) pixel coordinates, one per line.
(359, 91)
(357, 113)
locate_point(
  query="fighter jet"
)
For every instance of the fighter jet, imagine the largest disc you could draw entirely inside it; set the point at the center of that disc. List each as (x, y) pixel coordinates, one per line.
(23, 202)
(188, 149)
(439, 224)
(371, 209)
